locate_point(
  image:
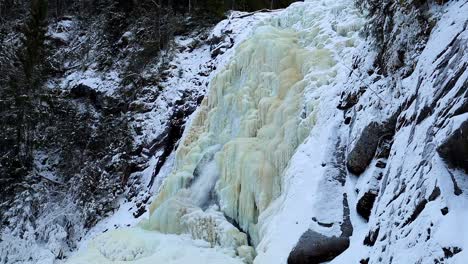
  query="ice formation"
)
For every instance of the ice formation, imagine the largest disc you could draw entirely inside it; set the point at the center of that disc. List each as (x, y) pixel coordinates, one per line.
(135, 245)
(243, 135)
(230, 162)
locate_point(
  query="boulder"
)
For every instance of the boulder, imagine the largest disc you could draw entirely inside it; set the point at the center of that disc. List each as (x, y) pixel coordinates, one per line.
(375, 140)
(82, 91)
(365, 204)
(314, 248)
(363, 151)
(454, 149)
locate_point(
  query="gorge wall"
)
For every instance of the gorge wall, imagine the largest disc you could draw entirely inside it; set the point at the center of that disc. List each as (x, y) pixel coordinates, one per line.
(330, 131)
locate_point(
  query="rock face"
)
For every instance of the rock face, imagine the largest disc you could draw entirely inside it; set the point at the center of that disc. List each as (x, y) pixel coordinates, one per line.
(365, 204)
(364, 149)
(314, 248)
(415, 193)
(454, 149)
(375, 137)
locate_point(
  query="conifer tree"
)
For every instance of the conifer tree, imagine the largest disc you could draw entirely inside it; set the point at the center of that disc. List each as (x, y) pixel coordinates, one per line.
(28, 85)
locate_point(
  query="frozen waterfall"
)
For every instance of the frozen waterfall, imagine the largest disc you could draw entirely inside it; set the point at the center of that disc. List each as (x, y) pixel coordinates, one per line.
(230, 162)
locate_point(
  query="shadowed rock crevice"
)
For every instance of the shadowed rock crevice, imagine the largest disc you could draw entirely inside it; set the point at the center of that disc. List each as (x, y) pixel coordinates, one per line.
(454, 149)
(371, 237)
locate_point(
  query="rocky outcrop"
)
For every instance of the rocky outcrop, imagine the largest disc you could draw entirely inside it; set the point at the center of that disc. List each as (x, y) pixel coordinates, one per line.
(349, 99)
(375, 139)
(365, 204)
(423, 164)
(364, 149)
(454, 149)
(314, 247)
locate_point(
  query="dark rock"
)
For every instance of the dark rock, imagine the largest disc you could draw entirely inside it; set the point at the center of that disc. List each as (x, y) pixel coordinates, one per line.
(139, 107)
(348, 100)
(451, 251)
(167, 142)
(215, 40)
(365, 204)
(463, 108)
(371, 237)
(417, 211)
(321, 223)
(346, 227)
(381, 164)
(313, 248)
(435, 193)
(86, 92)
(444, 210)
(57, 41)
(454, 149)
(363, 151)
(335, 168)
(456, 189)
(140, 211)
(219, 50)
(383, 237)
(384, 146)
(347, 120)
(375, 136)
(423, 114)
(364, 261)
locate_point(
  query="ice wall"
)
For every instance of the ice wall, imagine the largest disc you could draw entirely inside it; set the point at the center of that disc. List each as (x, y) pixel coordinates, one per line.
(260, 108)
(312, 197)
(246, 131)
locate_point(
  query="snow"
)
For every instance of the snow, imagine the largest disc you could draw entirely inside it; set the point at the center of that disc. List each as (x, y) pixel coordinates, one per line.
(141, 246)
(106, 83)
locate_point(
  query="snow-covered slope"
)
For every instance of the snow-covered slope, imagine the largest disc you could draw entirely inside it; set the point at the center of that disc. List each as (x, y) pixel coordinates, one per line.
(399, 125)
(420, 207)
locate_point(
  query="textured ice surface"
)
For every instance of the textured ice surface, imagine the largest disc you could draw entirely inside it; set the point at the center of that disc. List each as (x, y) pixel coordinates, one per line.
(135, 245)
(253, 112)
